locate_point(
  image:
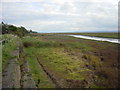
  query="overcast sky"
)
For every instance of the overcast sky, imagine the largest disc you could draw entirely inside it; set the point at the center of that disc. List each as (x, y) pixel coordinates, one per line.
(62, 15)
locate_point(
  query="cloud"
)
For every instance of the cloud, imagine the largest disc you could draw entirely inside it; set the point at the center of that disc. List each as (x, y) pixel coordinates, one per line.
(62, 1)
(61, 15)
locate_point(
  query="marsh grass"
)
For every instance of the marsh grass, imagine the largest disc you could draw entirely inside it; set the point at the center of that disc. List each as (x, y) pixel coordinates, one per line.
(52, 54)
(36, 70)
(70, 58)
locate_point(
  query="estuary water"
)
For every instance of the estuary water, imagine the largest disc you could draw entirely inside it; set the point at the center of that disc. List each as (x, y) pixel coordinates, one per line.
(97, 38)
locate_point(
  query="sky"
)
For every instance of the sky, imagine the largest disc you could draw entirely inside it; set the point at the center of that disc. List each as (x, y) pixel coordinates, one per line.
(49, 16)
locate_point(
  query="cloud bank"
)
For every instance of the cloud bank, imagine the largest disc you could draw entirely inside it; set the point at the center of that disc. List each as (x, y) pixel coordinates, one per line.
(62, 15)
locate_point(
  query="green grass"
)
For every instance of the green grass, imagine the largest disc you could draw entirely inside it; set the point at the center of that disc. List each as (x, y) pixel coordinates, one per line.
(36, 70)
(55, 59)
(7, 49)
(66, 57)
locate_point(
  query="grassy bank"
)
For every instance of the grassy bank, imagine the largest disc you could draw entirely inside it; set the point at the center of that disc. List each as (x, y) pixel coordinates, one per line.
(70, 61)
(8, 46)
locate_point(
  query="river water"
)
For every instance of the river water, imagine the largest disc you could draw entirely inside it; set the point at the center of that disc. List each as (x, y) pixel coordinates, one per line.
(97, 38)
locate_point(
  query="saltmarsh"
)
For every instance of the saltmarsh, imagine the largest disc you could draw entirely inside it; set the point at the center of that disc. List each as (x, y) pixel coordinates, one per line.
(63, 59)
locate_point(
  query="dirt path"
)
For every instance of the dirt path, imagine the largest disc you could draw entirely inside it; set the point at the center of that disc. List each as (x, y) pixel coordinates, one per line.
(27, 80)
(16, 74)
(11, 74)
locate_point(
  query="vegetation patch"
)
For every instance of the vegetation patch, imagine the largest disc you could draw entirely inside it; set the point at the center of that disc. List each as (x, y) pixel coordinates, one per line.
(8, 48)
(39, 76)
